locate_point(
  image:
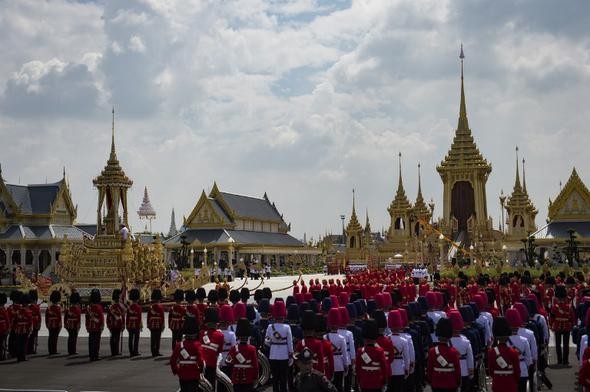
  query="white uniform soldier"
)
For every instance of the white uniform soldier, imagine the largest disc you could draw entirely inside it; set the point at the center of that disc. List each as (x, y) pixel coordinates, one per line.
(400, 366)
(521, 344)
(339, 349)
(463, 346)
(350, 347)
(226, 317)
(408, 337)
(278, 336)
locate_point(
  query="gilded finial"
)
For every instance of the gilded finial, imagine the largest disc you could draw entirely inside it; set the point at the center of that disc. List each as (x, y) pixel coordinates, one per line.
(463, 123)
(113, 153)
(353, 202)
(523, 177)
(517, 180)
(419, 181)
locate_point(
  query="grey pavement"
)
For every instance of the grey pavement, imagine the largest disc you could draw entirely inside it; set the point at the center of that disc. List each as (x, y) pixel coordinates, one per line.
(144, 373)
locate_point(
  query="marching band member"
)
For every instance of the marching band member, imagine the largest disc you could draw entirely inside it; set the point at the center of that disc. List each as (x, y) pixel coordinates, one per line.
(134, 322)
(226, 317)
(444, 367)
(187, 358)
(155, 322)
(116, 322)
(211, 340)
(72, 321)
(94, 324)
(22, 325)
(280, 341)
(503, 360)
(371, 367)
(176, 317)
(53, 321)
(242, 358)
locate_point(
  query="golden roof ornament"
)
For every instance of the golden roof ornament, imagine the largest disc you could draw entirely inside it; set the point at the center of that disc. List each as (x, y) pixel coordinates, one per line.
(463, 152)
(519, 199)
(400, 202)
(353, 224)
(420, 208)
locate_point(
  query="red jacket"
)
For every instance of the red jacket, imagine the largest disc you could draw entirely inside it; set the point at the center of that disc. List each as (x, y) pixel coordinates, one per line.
(504, 378)
(584, 375)
(23, 321)
(36, 315)
(155, 317)
(444, 367)
(387, 345)
(4, 320)
(12, 310)
(53, 317)
(371, 367)
(328, 358)
(94, 318)
(243, 359)
(187, 360)
(562, 316)
(134, 317)
(193, 309)
(212, 345)
(202, 309)
(317, 348)
(176, 317)
(116, 317)
(72, 317)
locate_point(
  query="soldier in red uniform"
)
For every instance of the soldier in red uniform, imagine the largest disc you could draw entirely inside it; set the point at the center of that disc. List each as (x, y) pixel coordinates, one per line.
(562, 321)
(308, 324)
(36, 314)
(243, 359)
(212, 343)
(72, 318)
(503, 361)
(155, 322)
(201, 305)
(186, 361)
(321, 328)
(549, 293)
(444, 366)
(22, 324)
(116, 322)
(371, 367)
(191, 307)
(134, 323)
(176, 317)
(94, 324)
(15, 297)
(4, 326)
(53, 321)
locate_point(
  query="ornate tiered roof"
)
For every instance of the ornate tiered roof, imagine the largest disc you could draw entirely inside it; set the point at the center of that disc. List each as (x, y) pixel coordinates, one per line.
(420, 208)
(463, 152)
(519, 199)
(573, 202)
(353, 224)
(146, 210)
(401, 202)
(172, 231)
(112, 174)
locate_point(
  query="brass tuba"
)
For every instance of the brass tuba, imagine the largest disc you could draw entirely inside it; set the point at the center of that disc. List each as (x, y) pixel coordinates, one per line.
(264, 366)
(224, 380)
(204, 385)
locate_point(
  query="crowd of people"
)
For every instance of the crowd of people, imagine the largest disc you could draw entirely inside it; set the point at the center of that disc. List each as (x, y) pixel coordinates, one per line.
(370, 331)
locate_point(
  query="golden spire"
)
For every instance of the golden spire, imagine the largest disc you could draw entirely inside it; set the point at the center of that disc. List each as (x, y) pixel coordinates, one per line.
(420, 208)
(113, 156)
(463, 123)
(463, 153)
(401, 200)
(353, 224)
(517, 180)
(523, 177)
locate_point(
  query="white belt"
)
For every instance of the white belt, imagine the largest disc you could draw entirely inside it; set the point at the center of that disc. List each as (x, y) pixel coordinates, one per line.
(210, 347)
(445, 370)
(373, 368)
(243, 366)
(503, 372)
(187, 362)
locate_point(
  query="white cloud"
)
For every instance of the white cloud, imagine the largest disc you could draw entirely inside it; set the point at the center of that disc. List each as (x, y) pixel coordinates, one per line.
(136, 44)
(304, 99)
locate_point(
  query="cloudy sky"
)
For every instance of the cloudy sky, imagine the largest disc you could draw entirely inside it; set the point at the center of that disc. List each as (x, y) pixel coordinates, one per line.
(302, 99)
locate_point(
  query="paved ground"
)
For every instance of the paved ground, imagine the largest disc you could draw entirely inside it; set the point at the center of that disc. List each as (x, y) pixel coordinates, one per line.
(142, 373)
